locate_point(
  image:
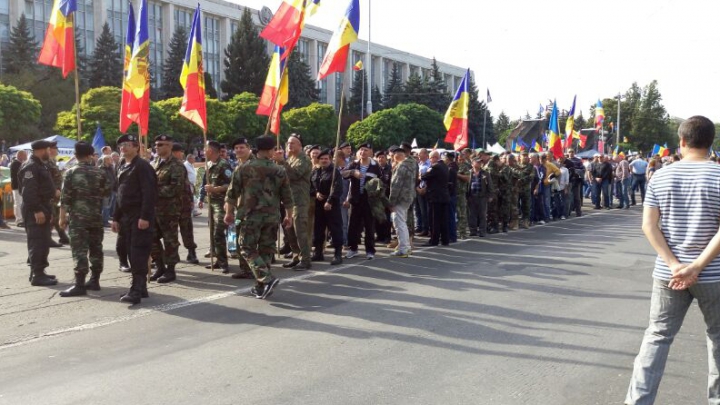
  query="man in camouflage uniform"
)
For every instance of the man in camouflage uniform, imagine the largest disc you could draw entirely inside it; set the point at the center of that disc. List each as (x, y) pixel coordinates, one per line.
(262, 185)
(505, 203)
(171, 185)
(83, 190)
(299, 170)
(243, 154)
(218, 178)
(463, 181)
(493, 214)
(186, 224)
(524, 185)
(57, 178)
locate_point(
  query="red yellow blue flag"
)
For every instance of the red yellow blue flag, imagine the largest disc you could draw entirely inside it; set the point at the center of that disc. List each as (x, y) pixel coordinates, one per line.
(192, 77)
(456, 117)
(287, 24)
(570, 123)
(272, 82)
(599, 114)
(137, 78)
(126, 91)
(339, 47)
(58, 49)
(554, 142)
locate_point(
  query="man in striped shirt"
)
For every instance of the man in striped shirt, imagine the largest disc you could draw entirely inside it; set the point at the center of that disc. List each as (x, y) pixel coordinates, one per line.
(681, 220)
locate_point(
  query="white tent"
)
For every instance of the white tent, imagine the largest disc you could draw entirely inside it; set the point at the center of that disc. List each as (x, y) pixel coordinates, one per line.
(66, 146)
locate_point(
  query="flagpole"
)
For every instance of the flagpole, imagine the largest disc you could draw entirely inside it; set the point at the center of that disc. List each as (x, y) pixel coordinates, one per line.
(362, 96)
(617, 127)
(77, 80)
(337, 137)
(369, 108)
(484, 123)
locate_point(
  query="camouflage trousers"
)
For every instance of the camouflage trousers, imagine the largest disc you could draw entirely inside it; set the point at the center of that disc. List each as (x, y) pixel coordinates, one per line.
(165, 241)
(244, 267)
(493, 213)
(310, 221)
(258, 235)
(513, 206)
(525, 198)
(87, 246)
(505, 206)
(186, 231)
(296, 234)
(462, 214)
(219, 241)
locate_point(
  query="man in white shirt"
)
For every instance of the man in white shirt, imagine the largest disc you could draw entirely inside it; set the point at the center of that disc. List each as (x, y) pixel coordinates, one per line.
(192, 177)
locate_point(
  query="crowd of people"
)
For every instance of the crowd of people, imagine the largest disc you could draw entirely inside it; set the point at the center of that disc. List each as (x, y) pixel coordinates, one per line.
(324, 198)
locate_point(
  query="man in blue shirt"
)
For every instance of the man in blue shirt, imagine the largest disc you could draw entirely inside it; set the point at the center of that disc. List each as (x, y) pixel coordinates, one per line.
(638, 168)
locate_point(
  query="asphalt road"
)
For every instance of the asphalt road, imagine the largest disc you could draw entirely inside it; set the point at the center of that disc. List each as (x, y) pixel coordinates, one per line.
(550, 315)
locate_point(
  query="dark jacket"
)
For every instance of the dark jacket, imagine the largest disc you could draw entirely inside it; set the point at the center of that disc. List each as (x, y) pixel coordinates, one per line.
(437, 178)
(136, 190)
(453, 169)
(602, 170)
(14, 169)
(373, 171)
(36, 187)
(322, 182)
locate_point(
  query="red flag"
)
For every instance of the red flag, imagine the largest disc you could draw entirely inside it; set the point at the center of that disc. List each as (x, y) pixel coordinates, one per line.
(58, 49)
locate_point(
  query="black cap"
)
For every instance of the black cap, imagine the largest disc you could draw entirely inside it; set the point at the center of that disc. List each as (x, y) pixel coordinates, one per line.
(41, 144)
(128, 138)
(214, 145)
(296, 136)
(450, 155)
(265, 142)
(365, 145)
(83, 149)
(406, 145)
(312, 147)
(344, 145)
(53, 144)
(324, 152)
(380, 153)
(176, 147)
(163, 138)
(239, 141)
(396, 149)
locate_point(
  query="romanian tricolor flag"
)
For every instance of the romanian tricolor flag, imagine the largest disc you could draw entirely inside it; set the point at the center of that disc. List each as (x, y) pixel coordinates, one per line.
(126, 91)
(554, 141)
(536, 145)
(137, 78)
(570, 123)
(599, 114)
(280, 102)
(358, 66)
(58, 49)
(272, 82)
(192, 77)
(456, 117)
(287, 24)
(312, 6)
(339, 47)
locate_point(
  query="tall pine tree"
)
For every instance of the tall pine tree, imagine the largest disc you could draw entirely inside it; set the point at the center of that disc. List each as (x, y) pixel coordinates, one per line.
(246, 60)
(303, 91)
(438, 96)
(359, 95)
(105, 67)
(376, 98)
(394, 89)
(172, 68)
(210, 91)
(21, 53)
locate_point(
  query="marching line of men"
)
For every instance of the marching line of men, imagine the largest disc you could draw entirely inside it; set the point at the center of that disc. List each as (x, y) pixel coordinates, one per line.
(320, 197)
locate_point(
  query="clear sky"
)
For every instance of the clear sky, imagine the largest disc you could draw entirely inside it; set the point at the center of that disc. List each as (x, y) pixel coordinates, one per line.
(527, 52)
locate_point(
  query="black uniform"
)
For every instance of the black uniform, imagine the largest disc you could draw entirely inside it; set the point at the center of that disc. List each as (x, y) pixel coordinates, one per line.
(37, 190)
(135, 200)
(322, 182)
(361, 217)
(437, 178)
(383, 229)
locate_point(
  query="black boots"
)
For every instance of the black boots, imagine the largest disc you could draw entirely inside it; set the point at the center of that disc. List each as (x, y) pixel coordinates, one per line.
(169, 275)
(159, 270)
(78, 289)
(94, 283)
(318, 255)
(40, 279)
(138, 290)
(192, 257)
(337, 259)
(505, 227)
(285, 249)
(295, 261)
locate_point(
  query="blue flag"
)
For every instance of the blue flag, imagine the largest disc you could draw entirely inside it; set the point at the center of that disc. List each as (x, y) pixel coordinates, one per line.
(99, 140)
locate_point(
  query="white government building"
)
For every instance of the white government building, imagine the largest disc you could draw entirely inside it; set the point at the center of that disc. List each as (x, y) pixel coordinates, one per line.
(220, 19)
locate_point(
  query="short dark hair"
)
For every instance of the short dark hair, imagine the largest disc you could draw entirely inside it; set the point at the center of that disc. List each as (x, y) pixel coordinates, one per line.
(698, 132)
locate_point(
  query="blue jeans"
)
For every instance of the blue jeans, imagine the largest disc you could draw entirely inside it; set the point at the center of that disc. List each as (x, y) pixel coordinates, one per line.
(607, 193)
(422, 224)
(547, 204)
(639, 182)
(667, 312)
(625, 192)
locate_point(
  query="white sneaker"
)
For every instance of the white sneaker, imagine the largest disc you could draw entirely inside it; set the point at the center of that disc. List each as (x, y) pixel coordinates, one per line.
(563, 217)
(398, 253)
(351, 253)
(541, 222)
(370, 256)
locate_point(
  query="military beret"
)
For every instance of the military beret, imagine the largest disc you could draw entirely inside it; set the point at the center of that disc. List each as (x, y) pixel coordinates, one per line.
(313, 147)
(265, 142)
(450, 155)
(53, 144)
(367, 145)
(344, 145)
(41, 144)
(480, 150)
(223, 146)
(239, 141)
(396, 149)
(380, 153)
(405, 145)
(214, 145)
(296, 136)
(163, 138)
(324, 152)
(83, 149)
(467, 151)
(128, 138)
(176, 147)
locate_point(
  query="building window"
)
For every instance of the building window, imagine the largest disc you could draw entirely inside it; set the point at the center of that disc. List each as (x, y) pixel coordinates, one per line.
(183, 18)
(303, 49)
(38, 14)
(4, 21)
(85, 23)
(357, 57)
(414, 70)
(233, 27)
(338, 89)
(322, 84)
(155, 26)
(117, 15)
(211, 49)
(387, 71)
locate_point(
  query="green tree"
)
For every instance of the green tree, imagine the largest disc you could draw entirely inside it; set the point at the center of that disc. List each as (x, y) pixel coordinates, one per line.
(303, 90)
(105, 66)
(502, 123)
(246, 60)
(438, 95)
(219, 121)
(172, 68)
(477, 118)
(209, 86)
(19, 114)
(580, 122)
(244, 121)
(21, 53)
(650, 123)
(426, 125)
(317, 123)
(376, 99)
(383, 128)
(394, 89)
(359, 91)
(416, 91)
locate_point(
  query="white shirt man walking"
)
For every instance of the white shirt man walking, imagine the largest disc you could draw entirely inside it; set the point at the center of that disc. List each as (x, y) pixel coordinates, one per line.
(681, 220)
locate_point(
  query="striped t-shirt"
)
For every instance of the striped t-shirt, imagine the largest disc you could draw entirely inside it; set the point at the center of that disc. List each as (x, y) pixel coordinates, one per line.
(688, 197)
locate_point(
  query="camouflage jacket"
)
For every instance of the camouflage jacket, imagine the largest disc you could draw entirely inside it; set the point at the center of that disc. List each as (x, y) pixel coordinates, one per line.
(527, 177)
(299, 170)
(262, 185)
(464, 169)
(171, 179)
(218, 175)
(83, 190)
(494, 172)
(57, 176)
(377, 199)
